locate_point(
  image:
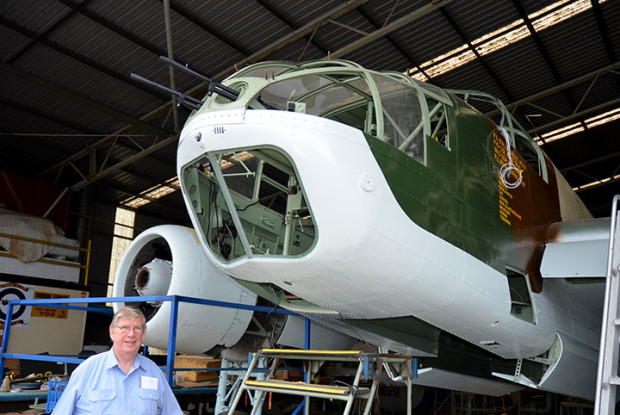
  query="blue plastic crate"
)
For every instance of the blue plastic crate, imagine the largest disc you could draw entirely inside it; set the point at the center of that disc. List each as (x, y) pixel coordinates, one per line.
(56, 388)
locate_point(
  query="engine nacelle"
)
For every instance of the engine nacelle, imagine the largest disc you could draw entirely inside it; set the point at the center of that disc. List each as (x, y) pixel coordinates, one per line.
(169, 260)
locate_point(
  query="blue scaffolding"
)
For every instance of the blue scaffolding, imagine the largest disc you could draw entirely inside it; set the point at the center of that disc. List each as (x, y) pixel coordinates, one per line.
(67, 303)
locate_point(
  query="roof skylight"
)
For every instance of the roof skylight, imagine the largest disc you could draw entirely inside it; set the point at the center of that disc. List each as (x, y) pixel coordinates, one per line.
(502, 37)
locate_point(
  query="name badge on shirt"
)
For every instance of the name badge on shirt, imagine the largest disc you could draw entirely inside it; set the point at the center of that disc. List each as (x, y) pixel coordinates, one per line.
(149, 383)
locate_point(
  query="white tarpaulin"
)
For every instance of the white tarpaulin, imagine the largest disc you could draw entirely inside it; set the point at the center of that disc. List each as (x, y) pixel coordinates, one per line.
(15, 223)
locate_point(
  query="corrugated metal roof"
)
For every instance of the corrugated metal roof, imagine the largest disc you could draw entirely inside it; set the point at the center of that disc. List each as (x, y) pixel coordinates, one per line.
(65, 70)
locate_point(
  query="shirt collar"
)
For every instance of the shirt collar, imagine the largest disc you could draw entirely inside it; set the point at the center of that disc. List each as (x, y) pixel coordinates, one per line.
(111, 361)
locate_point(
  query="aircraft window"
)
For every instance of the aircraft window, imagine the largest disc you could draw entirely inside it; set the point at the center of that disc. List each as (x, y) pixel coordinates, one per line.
(264, 72)
(357, 110)
(278, 94)
(334, 97)
(356, 116)
(263, 189)
(239, 169)
(436, 92)
(403, 117)
(359, 85)
(525, 148)
(319, 93)
(342, 98)
(439, 125)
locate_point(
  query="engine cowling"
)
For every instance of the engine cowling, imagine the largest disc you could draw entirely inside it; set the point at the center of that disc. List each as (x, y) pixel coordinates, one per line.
(169, 260)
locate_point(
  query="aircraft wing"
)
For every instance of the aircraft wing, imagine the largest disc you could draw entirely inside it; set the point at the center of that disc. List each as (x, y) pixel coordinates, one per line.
(576, 249)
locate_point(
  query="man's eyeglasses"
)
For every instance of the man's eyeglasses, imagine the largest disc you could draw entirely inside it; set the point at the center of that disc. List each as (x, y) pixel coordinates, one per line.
(126, 329)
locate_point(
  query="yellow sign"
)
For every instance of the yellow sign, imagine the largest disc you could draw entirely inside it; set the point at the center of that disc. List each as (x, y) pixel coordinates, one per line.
(49, 312)
(506, 212)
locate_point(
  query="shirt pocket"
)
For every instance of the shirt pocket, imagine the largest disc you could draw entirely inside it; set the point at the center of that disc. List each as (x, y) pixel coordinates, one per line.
(148, 399)
(102, 399)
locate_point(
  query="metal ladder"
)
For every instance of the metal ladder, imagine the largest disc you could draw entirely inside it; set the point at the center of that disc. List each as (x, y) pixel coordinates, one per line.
(370, 366)
(230, 379)
(607, 377)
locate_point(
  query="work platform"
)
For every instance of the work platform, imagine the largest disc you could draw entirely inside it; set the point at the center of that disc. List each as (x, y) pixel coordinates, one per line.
(369, 368)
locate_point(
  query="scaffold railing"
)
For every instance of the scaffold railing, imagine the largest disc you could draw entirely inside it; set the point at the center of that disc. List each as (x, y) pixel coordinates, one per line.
(74, 304)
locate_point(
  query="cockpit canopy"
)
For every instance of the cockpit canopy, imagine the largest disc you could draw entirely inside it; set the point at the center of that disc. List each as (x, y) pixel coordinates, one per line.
(390, 106)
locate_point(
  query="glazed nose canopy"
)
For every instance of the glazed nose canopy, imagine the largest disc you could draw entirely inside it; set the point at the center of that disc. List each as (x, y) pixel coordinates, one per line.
(154, 278)
(249, 202)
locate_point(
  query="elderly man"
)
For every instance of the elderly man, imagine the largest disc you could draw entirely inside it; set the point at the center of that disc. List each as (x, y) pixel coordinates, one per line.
(119, 381)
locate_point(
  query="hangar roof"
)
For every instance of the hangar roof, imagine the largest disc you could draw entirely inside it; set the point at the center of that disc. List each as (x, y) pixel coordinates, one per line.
(71, 114)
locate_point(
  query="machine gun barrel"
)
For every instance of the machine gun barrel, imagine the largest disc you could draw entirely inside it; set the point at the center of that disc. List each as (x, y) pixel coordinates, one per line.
(189, 101)
(214, 86)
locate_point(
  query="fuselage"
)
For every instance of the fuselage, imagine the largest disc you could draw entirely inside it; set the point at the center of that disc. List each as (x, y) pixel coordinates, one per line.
(365, 197)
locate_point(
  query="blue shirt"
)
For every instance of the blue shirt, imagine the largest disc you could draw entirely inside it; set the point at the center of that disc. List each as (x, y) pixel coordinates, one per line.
(99, 386)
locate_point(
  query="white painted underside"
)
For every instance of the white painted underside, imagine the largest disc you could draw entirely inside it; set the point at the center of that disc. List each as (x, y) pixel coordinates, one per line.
(371, 260)
(573, 374)
(439, 378)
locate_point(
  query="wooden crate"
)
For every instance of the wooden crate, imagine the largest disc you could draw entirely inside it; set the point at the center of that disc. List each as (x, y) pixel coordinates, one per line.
(195, 362)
